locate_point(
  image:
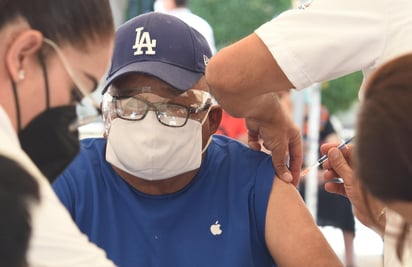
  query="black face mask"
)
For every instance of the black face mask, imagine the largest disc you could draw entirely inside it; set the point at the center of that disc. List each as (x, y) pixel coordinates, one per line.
(47, 138)
(48, 141)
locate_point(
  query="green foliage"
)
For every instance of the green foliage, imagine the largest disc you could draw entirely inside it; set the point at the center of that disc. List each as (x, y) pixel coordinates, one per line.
(233, 19)
(339, 94)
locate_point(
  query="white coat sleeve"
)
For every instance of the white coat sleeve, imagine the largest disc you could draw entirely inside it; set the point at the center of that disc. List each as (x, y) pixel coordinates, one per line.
(327, 40)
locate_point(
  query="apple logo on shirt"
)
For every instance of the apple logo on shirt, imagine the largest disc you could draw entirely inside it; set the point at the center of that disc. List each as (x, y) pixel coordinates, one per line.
(215, 228)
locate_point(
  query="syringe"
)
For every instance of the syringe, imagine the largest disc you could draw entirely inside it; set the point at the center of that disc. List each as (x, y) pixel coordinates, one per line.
(324, 158)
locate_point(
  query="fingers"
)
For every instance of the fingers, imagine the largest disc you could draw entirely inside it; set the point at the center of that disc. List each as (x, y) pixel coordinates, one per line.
(282, 138)
(325, 147)
(296, 156)
(339, 164)
(335, 188)
(329, 174)
(346, 152)
(254, 145)
(279, 162)
(253, 140)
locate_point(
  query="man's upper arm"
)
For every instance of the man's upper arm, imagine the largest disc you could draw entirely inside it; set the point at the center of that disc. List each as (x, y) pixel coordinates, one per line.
(292, 235)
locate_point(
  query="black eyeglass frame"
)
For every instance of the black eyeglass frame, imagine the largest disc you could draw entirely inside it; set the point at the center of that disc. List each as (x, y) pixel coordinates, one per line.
(154, 106)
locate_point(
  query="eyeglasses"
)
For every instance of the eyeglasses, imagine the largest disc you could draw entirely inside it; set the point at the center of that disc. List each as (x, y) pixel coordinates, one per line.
(169, 114)
(79, 86)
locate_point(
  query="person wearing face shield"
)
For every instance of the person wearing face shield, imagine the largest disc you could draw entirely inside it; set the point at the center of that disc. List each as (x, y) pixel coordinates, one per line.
(52, 53)
(161, 189)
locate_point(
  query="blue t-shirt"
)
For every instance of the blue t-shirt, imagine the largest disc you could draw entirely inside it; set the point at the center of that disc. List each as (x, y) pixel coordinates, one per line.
(231, 190)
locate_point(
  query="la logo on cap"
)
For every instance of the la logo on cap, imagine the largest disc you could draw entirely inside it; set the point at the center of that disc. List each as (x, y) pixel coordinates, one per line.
(205, 60)
(143, 40)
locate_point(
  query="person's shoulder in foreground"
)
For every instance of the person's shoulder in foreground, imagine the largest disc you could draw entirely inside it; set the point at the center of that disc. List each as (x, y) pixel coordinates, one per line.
(17, 190)
(45, 54)
(162, 178)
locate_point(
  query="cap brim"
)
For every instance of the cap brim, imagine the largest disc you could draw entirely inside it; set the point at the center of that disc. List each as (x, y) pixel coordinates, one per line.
(177, 77)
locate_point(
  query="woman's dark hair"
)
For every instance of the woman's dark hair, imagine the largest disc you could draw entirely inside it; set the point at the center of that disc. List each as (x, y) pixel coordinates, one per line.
(18, 192)
(383, 150)
(74, 22)
(384, 132)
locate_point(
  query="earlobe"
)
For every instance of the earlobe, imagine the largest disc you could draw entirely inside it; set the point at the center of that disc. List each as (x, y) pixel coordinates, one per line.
(215, 117)
(25, 45)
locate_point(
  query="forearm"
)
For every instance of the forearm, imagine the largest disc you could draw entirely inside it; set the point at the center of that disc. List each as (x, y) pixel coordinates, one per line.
(243, 71)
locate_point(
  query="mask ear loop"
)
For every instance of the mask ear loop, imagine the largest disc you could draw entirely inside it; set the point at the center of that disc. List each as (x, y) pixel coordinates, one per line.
(71, 73)
(207, 144)
(45, 76)
(79, 122)
(16, 96)
(206, 116)
(16, 104)
(210, 137)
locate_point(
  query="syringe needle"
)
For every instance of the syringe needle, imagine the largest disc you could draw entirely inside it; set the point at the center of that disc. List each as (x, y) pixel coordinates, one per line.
(308, 169)
(322, 159)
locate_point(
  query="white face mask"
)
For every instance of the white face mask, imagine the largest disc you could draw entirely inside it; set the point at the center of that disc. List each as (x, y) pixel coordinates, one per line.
(151, 151)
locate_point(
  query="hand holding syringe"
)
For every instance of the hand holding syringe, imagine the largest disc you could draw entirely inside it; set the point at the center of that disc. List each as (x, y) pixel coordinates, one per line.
(322, 159)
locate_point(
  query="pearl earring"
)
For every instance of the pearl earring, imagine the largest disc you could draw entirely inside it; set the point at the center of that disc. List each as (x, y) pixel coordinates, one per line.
(21, 75)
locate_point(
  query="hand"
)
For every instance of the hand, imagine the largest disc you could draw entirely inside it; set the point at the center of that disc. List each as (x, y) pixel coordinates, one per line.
(340, 165)
(280, 136)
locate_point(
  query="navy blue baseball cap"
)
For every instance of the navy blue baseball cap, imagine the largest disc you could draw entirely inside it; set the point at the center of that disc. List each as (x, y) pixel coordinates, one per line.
(160, 45)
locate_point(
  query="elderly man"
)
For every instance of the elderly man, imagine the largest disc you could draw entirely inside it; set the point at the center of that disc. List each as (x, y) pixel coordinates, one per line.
(160, 189)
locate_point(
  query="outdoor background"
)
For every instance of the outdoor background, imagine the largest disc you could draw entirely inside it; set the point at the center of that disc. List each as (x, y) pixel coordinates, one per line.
(232, 20)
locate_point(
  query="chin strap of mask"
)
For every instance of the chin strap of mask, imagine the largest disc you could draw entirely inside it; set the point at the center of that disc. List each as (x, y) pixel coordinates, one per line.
(16, 96)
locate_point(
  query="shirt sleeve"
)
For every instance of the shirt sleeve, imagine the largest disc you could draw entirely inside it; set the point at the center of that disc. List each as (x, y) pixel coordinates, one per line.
(327, 40)
(264, 180)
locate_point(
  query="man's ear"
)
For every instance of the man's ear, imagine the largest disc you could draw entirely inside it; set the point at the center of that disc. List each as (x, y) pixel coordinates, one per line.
(25, 45)
(215, 117)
